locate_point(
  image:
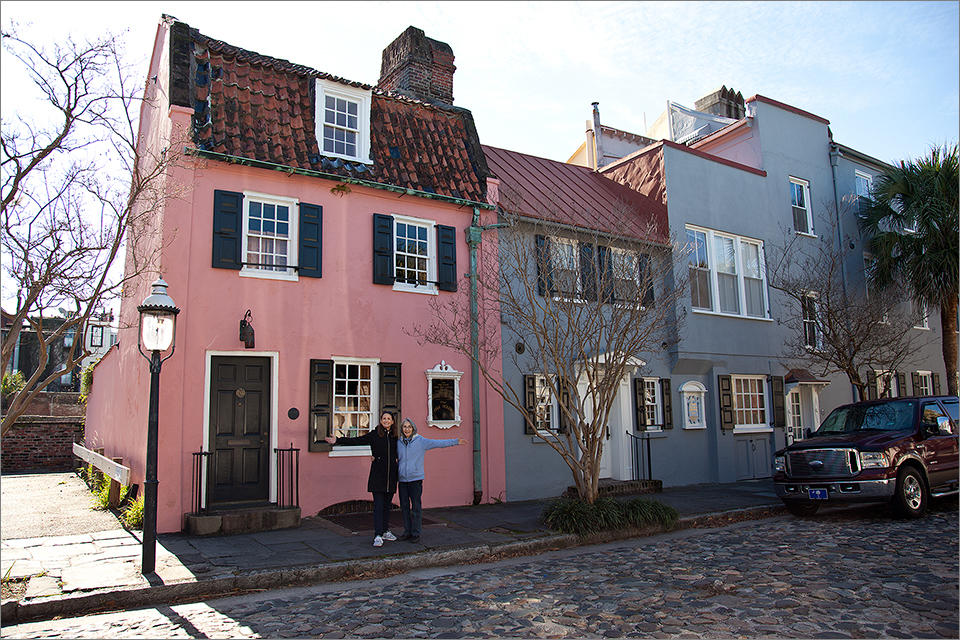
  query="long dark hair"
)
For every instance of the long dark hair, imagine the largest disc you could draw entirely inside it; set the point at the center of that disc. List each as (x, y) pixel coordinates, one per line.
(392, 433)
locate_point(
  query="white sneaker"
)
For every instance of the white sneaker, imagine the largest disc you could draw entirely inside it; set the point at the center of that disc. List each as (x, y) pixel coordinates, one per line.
(389, 536)
(378, 541)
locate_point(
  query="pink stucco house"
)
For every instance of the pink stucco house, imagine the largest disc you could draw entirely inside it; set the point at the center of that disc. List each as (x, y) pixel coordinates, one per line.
(328, 214)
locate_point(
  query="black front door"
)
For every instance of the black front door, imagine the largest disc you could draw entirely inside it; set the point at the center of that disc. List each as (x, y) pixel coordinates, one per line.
(240, 429)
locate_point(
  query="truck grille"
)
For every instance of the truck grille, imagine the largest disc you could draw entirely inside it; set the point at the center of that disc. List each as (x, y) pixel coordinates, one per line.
(823, 463)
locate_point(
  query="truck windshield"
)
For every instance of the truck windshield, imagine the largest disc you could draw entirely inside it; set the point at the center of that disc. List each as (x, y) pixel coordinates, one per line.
(889, 416)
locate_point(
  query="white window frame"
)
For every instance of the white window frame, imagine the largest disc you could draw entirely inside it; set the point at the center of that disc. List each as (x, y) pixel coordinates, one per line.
(804, 187)
(293, 239)
(739, 272)
(443, 371)
(362, 97)
(693, 395)
(555, 243)
(96, 336)
(924, 315)
(887, 378)
(863, 186)
(629, 265)
(342, 451)
(546, 404)
(812, 298)
(926, 383)
(795, 402)
(430, 287)
(740, 408)
(653, 404)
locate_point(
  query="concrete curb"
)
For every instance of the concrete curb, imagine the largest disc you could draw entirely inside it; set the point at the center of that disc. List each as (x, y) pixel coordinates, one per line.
(46, 608)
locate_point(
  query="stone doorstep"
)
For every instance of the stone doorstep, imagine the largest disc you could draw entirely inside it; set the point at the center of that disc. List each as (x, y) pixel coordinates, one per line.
(244, 521)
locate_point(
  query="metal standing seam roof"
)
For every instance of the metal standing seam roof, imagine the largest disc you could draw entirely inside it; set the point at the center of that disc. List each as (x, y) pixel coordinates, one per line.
(573, 195)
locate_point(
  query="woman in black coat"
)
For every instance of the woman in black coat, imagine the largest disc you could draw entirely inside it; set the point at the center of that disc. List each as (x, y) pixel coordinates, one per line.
(383, 472)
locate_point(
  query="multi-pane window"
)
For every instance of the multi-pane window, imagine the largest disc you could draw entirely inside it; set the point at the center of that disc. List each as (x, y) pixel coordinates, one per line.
(624, 271)
(412, 253)
(923, 381)
(796, 416)
(343, 120)
(341, 123)
(268, 232)
(544, 405)
(727, 274)
(800, 201)
(565, 264)
(352, 399)
(750, 407)
(864, 183)
(700, 295)
(96, 336)
(811, 328)
(651, 401)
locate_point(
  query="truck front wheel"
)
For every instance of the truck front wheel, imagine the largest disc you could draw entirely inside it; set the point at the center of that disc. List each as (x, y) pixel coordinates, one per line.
(910, 499)
(801, 509)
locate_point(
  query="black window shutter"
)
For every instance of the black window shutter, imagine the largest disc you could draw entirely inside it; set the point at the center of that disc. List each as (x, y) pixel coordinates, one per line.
(227, 227)
(310, 257)
(901, 383)
(872, 390)
(914, 383)
(382, 249)
(588, 272)
(530, 402)
(564, 423)
(639, 398)
(605, 274)
(390, 390)
(667, 390)
(447, 253)
(544, 269)
(725, 384)
(646, 281)
(321, 404)
(779, 405)
(936, 384)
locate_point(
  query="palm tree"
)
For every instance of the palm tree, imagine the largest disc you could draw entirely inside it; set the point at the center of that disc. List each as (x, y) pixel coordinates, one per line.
(912, 230)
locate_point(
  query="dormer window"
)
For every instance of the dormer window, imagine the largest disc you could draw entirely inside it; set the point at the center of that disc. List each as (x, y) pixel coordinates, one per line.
(343, 121)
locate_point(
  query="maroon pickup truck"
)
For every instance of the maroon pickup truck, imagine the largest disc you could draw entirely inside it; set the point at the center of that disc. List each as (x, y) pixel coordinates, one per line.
(897, 450)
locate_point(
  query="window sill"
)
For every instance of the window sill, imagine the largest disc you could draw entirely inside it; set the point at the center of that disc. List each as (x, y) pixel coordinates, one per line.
(707, 312)
(268, 275)
(350, 452)
(739, 431)
(443, 424)
(806, 234)
(696, 428)
(429, 290)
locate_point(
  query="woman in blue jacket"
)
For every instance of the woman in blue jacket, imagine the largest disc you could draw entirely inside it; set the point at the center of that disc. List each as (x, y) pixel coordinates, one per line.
(382, 482)
(410, 450)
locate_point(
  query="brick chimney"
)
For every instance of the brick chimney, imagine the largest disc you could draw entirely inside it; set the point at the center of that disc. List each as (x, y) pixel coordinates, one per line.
(722, 102)
(418, 67)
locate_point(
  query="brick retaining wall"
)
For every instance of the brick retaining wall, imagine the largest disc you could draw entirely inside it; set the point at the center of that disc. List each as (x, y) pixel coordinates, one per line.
(40, 443)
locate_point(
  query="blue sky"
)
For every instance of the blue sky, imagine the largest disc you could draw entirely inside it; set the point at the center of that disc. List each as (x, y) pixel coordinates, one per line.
(885, 74)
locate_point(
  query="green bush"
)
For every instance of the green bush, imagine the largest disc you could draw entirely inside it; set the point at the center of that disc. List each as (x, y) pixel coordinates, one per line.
(572, 515)
(11, 384)
(101, 493)
(132, 514)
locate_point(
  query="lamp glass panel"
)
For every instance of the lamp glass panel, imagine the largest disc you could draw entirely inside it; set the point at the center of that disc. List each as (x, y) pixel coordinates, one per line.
(157, 330)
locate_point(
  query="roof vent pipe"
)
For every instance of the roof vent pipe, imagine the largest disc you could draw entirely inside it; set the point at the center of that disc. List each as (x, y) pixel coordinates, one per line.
(600, 160)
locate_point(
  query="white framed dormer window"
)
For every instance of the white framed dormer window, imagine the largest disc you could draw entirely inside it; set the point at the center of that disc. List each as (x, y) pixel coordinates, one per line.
(800, 203)
(269, 236)
(343, 121)
(727, 274)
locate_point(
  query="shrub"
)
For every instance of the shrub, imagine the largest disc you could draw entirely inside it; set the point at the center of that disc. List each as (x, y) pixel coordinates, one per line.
(132, 514)
(571, 515)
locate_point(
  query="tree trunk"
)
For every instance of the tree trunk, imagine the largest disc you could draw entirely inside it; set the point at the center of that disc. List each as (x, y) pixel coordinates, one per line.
(948, 324)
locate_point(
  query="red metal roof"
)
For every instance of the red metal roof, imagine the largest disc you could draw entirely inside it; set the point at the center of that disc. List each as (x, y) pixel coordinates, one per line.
(573, 195)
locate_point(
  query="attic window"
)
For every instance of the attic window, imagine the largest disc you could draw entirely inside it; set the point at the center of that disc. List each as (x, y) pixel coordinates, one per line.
(343, 121)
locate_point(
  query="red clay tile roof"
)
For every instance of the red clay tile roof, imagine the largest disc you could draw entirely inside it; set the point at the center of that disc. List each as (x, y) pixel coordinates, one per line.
(574, 195)
(261, 108)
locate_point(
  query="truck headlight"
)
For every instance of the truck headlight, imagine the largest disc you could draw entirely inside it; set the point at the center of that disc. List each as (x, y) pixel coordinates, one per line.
(780, 464)
(873, 460)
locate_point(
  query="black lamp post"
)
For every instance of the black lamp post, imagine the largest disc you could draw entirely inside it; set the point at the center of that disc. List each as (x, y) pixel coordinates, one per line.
(158, 330)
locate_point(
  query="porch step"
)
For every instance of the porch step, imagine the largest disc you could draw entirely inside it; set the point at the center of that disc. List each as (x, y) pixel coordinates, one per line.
(608, 487)
(241, 521)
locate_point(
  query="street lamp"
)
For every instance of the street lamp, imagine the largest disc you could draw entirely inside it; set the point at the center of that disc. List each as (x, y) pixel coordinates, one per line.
(158, 331)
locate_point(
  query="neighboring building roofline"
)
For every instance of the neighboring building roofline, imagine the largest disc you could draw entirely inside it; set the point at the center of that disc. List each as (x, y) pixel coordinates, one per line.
(786, 107)
(862, 157)
(682, 147)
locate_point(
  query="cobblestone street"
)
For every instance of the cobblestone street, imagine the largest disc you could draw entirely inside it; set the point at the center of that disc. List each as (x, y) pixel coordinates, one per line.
(853, 573)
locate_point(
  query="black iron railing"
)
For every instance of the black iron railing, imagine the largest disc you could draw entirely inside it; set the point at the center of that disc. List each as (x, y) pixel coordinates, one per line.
(288, 477)
(199, 458)
(640, 450)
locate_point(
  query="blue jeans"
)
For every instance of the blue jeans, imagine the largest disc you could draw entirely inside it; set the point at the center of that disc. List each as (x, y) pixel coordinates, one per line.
(410, 494)
(381, 512)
